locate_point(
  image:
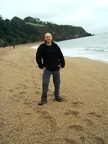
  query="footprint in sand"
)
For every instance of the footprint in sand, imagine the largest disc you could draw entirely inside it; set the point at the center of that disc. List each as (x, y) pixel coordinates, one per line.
(76, 127)
(21, 86)
(35, 85)
(29, 102)
(95, 115)
(37, 92)
(88, 122)
(11, 90)
(27, 113)
(96, 140)
(18, 97)
(25, 87)
(77, 104)
(47, 117)
(21, 93)
(92, 138)
(14, 98)
(73, 112)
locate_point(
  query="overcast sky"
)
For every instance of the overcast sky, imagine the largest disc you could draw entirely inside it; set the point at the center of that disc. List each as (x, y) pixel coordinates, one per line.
(92, 15)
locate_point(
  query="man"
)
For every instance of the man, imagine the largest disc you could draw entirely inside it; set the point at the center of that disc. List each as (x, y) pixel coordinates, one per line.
(50, 59)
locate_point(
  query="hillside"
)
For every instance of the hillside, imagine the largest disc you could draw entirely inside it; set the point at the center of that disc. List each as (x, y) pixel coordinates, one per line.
(18, 31)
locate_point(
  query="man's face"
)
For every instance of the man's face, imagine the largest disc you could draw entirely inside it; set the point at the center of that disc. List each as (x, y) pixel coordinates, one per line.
(48, 38)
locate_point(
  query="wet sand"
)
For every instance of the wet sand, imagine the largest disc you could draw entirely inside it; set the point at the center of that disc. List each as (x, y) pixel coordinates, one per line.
(82, 117)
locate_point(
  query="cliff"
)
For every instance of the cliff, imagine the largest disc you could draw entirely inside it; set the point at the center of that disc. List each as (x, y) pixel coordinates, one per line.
(18, 31)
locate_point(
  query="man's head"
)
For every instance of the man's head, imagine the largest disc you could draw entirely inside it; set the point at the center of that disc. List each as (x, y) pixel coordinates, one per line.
(48, 38)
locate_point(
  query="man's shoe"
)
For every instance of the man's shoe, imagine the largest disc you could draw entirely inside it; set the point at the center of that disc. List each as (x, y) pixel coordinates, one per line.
(42, 102)
(58, 99)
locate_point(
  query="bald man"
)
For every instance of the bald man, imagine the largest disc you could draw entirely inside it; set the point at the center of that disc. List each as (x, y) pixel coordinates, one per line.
(50, 59)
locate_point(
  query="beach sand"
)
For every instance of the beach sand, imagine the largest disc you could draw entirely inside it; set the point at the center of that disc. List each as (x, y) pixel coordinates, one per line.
(82, 117)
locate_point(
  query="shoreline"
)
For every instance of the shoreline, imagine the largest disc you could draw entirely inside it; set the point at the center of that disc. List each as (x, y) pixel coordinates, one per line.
(82, 117)
(31, 45)
(100, 60)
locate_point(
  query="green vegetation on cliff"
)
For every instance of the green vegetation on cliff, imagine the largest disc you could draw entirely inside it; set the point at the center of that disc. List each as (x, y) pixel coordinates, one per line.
(18, 31)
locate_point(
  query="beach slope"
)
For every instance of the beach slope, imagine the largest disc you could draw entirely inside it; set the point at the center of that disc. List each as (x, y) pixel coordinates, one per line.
(82, 117)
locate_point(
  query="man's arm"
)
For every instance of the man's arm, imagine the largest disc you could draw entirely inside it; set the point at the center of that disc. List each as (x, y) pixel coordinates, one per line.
(61, 58)
(39, 58)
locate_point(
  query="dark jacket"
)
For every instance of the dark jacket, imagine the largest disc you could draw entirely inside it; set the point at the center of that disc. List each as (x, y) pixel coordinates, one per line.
(50, 57)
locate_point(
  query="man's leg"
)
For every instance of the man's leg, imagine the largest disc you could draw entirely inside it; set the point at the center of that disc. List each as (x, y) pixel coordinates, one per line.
(45, 84)
(56, 80)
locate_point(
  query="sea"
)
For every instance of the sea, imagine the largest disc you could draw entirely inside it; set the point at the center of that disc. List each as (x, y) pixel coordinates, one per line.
(93, 47)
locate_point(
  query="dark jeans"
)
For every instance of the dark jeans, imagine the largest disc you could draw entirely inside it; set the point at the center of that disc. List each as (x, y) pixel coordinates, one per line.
(45, 83)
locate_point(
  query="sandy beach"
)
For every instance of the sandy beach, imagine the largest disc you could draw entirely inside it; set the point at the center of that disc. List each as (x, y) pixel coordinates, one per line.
(82, 117)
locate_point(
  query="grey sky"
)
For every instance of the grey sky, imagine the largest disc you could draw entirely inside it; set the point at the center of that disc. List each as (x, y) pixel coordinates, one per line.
(92, 15)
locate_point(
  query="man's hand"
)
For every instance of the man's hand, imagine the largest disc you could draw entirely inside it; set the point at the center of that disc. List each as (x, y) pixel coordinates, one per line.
(59, 67)
(43, 68)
